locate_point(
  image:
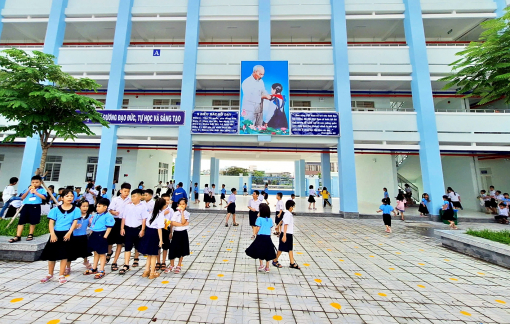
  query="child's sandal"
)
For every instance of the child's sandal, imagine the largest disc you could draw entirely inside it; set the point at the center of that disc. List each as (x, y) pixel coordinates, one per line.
(169, 269)
(87, 264)
(108, 257)
(163, 266)
(90, 271)
(46, 279)
(235, 224)
(15, 239)
(67, 271)
(177, 269)
(124, 269)
(158, 266)
(99, 275)
(276, 264)
(145, 274)
(154, 275)
(135, 262)
(115, 267)
(62, 279)
(295, 266)
(30, 237)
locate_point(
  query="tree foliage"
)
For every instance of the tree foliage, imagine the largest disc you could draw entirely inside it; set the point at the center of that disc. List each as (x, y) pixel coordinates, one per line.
(484, 69)
(234, 171)
(41, 99)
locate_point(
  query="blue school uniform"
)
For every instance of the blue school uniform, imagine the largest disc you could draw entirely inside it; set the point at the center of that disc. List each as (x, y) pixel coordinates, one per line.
(80, 240)
(386, 209)
(64, 218)
(386, 194)
(60, 249)
(31, 211)
(262, 247)
(99, 224)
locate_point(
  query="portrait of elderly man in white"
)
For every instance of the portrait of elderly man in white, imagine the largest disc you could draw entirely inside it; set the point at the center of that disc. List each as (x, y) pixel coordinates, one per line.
(253, 94)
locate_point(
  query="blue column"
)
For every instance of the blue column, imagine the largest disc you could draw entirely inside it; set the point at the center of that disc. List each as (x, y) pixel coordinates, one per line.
(197, 164)
(430, 158)
(217, 175)
(500, 11)
(326, 170)
(248, 183)
(342, 87)
(189, 72)
(297, 178)
(2, 6)
(115, 94)
(214, 176)
(241, 184)
(264, 30)
(52, 43)
(303, 189)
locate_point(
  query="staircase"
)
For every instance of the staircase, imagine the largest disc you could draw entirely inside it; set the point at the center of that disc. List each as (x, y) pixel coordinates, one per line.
(399, 159)
(401, 181)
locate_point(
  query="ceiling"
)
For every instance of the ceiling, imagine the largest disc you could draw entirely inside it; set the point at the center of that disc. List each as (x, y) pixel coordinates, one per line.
(377, 30)
(301, 30)
(211, 31)
(152, 31)
(453, 29)
(153, 84)
(29, 32)
(98, 31)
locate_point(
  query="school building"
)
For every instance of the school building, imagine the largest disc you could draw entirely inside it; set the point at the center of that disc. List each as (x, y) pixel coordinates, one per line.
(374, 62)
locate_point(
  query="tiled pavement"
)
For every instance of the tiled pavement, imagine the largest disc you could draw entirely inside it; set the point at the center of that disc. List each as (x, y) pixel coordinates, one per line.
(352, 272)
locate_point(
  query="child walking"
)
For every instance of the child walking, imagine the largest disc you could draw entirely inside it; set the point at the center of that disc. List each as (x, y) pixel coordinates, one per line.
(311, 198)
(286, 237)
(325, 196)
(206, 196)
(262, 247)
(195, 190)
(279, 213)
(223, 193)
(79, 239)
(116, 209)
(245, 190)
(401, 204)
(101, 226)
(423, 209)
(253, 206)
(386, 209)
(179, 246)
(212, 196)
(231, 207)
(152, 241)
(63, 221)
(386, 194)
(448, 212)
(168, 212)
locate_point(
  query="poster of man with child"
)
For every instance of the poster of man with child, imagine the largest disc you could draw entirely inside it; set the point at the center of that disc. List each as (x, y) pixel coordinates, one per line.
(265, 97)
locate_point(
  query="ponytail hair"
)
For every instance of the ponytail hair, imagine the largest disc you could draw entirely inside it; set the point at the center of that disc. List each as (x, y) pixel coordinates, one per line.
(158, 207)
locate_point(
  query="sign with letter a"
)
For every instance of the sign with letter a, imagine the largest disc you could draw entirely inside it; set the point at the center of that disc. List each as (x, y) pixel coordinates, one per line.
(156, 52)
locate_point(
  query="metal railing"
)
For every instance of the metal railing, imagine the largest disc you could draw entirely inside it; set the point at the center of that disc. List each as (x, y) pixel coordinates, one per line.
(401, 185)
(400, 158)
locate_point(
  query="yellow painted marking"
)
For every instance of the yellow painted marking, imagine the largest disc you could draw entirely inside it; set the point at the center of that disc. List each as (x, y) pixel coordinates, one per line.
(229, 249)
(165, 282)
(270, 288)
(191, 253)
(99, 290)
(55, 321)
(299, 252)
(317, 280)
(277, 318)
(447, 260)
(203, 236)
(380, 244)
(336, 305)
(382, 294)
(398, 253)
(225, 260)
(371, 256)
(421, 250)
(306, 264)
(15, 300)
(421, 263)
(143, 308)
(221, 275)
(341, 260)
(465, 313)
(481, 273)
(454, 279)
(500, 301)
(231, 241)
(402, 242)
(319, 242)
(213, 297)
(357, 274)
(198, 243)
(329, 249)
(421, 286)
(391, 268)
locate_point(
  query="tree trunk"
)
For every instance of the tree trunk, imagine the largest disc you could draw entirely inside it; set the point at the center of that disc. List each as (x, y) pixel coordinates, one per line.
(44, 155)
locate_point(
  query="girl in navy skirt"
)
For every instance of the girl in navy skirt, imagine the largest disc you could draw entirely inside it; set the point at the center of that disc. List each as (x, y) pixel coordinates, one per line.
(152, 241)
(311, 198)
(79, 240)
(207, 199)
(63, 221)
(231, 208)
(253, 206)
(262, 247)
(179, 247)
(168, 212)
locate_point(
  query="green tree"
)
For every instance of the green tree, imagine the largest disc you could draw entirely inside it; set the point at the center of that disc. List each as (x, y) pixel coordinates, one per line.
(41, 100)
(484, 69)
(234, 171)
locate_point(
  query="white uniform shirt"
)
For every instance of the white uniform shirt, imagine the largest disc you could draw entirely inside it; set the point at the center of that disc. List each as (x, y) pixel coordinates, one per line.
(211, 191)
(232, 198)
(500, 197)
(454, 196)
(171, 185)
(176, 217)
(261, 198)
(254, 204)
(503, 212)
(135, 214)
(118, 204)
(90, 197)
(311, 192)
(492, 193)
(8, 193)
(253, 90)
(279, 205)
(150, 206)
(206, 190)
(288, 219)
(157, 223)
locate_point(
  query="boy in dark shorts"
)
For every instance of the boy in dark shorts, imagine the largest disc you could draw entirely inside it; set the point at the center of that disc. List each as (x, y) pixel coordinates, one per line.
(286, 237)
(33, 198)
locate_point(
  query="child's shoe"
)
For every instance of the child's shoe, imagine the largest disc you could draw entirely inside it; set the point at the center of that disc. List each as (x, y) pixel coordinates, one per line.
(177, 269)
(145, 274)
(266, 269)
(169, 269)
(67, 271)
(154, 275)
(62, 279)
(261, 268)
(47, 278)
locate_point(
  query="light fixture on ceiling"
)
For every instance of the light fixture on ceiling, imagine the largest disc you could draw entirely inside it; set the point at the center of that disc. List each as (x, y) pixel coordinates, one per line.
(450, 31)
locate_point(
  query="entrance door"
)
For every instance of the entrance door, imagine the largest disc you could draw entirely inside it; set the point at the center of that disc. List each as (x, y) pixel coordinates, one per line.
(116, 173)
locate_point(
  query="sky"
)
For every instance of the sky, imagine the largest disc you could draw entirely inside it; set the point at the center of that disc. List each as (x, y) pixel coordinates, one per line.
(268, 166)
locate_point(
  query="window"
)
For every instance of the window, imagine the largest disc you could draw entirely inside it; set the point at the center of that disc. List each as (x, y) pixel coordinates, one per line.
(2, 157)
(175, 102)
(228, 104)
(91, 170)
(52, 168)
(163, 172)
(158, 103)
(300, 104)
(363, 104)
(234, 103)
(221, 103)
(125, 102)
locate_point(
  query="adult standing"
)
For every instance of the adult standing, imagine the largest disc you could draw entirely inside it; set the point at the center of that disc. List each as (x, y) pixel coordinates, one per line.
(253, 94)
(178, 194)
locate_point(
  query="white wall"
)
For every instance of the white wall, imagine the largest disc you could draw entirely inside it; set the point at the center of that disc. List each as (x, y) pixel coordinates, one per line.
(147, 166)
(500, 173)
(459, 173)
(373, 173)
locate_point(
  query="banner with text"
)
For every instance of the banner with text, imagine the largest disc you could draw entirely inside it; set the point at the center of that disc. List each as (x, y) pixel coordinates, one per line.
(315, 123)
(144, 117)
(215, 122)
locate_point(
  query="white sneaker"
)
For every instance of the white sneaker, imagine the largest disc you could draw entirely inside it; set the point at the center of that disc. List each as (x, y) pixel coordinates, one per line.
(262, 268)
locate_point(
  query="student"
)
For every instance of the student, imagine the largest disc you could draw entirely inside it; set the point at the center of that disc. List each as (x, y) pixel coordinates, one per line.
(502, 216)
(158, 188)
(206, 195)
(265, 195)
(262, 247)
(423, 209)
(148, 199)
(408, 195)
(171, 186)
(132, 228)
(223, 193)
(506, 198)
(311, 198)
(401, 204)
(245, 190)
(212, 194)
(253, 206)
(178, 194)
(152, 241)
(168, 212)
(79, 240)
(90, 196)
(116, 208)
(449, 213)
(493, 201)
(499, 196)
(386, 194)
(386, 209)
(114, 187)
(261, 196)
(454, 197)
(279, 213)
(63, 221)
(141, 186)
(33, 198)
(325, 196)
(485, 201)
(195, 191)
(51, 192)
(231, 207)
(79, 195)
(9, 194)
(101, 226)
(179, 246)
(286, 237)
(59, 196)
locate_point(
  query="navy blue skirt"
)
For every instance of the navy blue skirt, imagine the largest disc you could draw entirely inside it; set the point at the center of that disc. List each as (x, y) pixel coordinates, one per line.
(59, 250)
(179, 247)
(114, 237)
(80, 247)
(262, 248)
(149, 244)
(253, 215)
(97, 242)
(231, 209)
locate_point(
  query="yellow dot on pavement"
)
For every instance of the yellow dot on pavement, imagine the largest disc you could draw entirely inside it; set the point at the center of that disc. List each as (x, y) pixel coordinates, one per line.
(481, 273)
(213, 297)
(336, 305)
(380, 243)
(99, 290)
(198, 243)
(306, 264)
(391, 268)
(500, 301)
(143, 308)
(357, 274)
(164, 282)
(421, 286)
(355, 247)
(225, 260)
(421, 263)
(55, 321)
(371, 256)
(465, 313)
(341, 260)
(277, 318)
(422, 250)
(329, 249)
(447, 260)
(454, 279)
(203, 236)
(15, 300)
(299, 252)
(382, 294)
(229, 249)
(270, 288)
(317, 280)
(398, 253)
(402, 242)
(319, 242)
(221, 275)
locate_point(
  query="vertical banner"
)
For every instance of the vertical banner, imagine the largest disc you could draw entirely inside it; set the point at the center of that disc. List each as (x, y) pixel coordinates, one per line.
(264, 98)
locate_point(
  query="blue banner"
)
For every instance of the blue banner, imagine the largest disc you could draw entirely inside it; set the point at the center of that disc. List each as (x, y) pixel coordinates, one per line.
(315, 123)
(144, 117)
(215, 122)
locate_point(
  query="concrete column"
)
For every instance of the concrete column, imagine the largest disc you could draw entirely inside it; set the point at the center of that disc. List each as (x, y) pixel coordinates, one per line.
(115, 94)
(326, 170)
(342, 86)
(197, 162)
(189, 72)
(500, 11)
(52, 43)
(264, 30)
(249, 184)
(214, 175)
(303, 189)
(241, 184)
(430, 158)
(297, 178)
